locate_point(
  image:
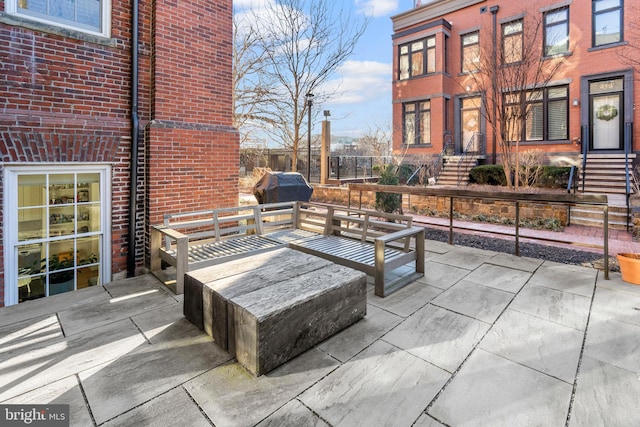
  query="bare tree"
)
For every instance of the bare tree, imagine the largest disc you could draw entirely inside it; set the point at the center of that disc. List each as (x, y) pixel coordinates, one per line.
(376, 141)
(630, 52)
(510, 82)
(252, 91)
(299, 44)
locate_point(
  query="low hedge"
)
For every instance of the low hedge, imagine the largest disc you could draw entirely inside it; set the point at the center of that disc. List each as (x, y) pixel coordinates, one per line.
(488, 175)
(551, 176)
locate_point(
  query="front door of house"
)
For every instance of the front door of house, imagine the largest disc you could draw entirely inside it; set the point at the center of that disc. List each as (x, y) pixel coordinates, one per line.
(605, 115)
(470, 124)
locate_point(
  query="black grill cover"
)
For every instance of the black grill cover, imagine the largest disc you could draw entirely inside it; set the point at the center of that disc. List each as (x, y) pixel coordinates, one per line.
(276, 187)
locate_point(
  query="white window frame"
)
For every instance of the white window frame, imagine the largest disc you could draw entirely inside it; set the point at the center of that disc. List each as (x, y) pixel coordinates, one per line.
(10, 227)
(11, 8)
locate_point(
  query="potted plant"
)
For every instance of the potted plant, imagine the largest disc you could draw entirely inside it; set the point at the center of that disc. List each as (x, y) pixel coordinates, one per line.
(629, 267)
(60, 281)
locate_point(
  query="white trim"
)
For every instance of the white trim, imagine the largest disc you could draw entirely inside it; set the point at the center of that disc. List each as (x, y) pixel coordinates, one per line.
(10, 204)
(11, 8)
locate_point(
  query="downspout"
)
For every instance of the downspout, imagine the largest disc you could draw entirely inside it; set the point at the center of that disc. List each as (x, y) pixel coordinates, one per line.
(133, 193)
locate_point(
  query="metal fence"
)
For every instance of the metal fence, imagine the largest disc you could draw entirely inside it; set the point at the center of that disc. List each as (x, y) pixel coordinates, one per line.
(341, 167)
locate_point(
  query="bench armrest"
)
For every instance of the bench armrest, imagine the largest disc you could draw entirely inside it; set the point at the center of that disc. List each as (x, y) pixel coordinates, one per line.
(169, 232)
(397, 235)
(182, 252)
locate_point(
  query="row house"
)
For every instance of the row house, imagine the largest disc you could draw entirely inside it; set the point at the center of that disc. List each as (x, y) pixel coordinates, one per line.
(460, 67)
(113, 113)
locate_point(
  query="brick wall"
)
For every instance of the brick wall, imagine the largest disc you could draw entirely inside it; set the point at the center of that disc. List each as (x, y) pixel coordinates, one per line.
(67, 99)
(584, 60)
(191, 145)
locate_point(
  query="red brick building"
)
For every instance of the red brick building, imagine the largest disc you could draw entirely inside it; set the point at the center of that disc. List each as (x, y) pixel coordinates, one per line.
(585, 109)
(78, 105)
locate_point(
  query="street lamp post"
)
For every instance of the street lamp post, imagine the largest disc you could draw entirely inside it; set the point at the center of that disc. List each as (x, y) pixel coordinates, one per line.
(309, 97)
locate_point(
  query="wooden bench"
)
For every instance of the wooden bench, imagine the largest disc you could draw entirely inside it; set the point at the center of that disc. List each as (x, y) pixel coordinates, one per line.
(192, 240)
(373, 242)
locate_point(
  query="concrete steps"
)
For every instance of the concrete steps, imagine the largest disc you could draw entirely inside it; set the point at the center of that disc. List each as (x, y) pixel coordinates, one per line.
(605, 174)
(455, 170)
(594, 217)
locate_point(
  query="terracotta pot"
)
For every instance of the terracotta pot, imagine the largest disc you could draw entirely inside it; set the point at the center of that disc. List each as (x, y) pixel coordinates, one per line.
(630, 267)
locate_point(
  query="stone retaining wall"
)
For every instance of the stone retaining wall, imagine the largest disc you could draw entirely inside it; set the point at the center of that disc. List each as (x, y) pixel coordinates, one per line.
(439, 206)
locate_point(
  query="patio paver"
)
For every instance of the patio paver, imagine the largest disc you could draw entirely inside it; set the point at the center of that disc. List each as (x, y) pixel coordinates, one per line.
(493, 391)
(482, 339)
(383, 386)
(438, 336)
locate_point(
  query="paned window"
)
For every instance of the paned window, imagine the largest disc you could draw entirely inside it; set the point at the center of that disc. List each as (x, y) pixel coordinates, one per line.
(512, 39)
(556, 32)
(470, 52)
(417, 123)
(546, 113)
(56, 230)
(85, 15)
(607, 22)
(417, 58)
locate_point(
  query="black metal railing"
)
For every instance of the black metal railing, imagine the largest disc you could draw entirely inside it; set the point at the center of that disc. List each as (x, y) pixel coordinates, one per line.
(585, 149)
(355, 167)
(463, 166)
(448, 147)
(628, 132)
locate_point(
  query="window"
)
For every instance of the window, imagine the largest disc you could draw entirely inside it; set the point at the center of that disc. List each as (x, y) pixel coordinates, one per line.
(512, 39)
(85, 15)
(607, 22)
(446, 54)
(56, 231)
(470, 52)
(417, 117)
(417, 58)
(547, 117)
(556, 32)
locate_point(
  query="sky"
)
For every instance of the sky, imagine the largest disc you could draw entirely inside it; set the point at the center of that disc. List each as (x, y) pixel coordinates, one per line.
(363, 99)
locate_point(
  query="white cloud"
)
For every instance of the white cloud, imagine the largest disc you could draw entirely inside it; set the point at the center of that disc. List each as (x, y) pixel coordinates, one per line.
(376, 8)
(360, 81)
(251, 4)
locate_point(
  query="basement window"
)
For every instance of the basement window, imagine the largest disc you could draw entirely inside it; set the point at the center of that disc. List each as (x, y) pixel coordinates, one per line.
(89, 16)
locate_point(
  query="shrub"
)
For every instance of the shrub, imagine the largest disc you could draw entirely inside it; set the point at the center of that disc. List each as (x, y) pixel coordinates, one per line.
(404, 172)
(530, 166)
(488, 175)
(555, 177)
(388, 202)
(549, 176)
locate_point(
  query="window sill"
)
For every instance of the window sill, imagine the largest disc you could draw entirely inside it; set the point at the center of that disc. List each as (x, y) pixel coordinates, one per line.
(544, 142)
(557, 55)
(417, 77)
(607, 46)
(417, 145)
(19, 21)
(467, 73)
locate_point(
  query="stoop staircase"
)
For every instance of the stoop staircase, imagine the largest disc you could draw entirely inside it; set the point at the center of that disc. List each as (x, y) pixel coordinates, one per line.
(604, 174)
(455, 170)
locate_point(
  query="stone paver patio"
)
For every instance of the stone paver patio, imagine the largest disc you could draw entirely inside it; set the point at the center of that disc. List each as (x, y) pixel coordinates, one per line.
(484, 339)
